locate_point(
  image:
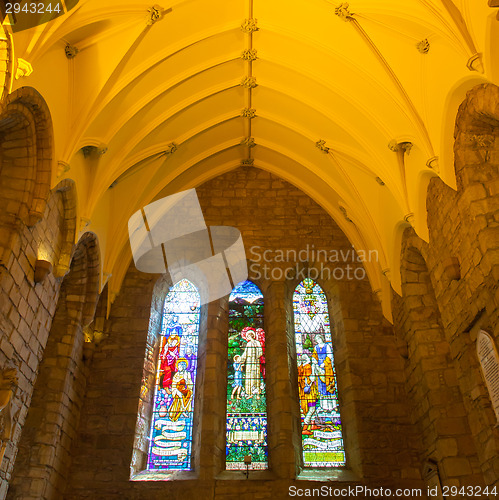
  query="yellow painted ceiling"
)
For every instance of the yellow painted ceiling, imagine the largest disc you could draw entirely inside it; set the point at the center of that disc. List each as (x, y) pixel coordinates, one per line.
(161, 93)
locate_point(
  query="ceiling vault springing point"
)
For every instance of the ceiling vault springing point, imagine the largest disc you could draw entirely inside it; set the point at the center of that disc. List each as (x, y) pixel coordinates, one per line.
(475, 63)
(401, 149)
(433, 164)
(409, 218)
(395, 146)
(24, 68)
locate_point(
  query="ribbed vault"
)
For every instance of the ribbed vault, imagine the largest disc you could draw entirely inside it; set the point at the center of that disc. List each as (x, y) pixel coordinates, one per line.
(353, 104)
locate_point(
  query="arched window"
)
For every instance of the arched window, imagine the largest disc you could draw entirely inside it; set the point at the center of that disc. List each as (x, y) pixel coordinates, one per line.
(170, 445)
(246, 391)
(322, 439)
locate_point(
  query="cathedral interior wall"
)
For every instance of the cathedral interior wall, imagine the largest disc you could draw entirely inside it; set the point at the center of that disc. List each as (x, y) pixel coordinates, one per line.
(409, 393)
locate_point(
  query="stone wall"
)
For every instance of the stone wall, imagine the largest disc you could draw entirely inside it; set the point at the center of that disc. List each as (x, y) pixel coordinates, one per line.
(408, 394)
(38, 224)
(450, 291)
(439, 411)
(382, 444)
(26, 312)
(53, 416)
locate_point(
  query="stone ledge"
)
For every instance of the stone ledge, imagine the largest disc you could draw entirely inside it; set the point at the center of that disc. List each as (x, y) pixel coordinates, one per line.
(338, 475)
(238, 475)
(158, 475)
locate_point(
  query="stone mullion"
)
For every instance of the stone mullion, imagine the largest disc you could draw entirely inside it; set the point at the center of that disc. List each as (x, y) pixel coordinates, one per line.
(283, 434)
(212, 385)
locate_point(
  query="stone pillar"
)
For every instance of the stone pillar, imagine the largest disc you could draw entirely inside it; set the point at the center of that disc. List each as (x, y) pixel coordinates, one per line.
(212, 386)
(283, 416)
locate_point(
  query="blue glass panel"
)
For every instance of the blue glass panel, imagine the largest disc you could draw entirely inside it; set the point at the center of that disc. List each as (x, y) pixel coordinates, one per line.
(322, 438)
(171, 431)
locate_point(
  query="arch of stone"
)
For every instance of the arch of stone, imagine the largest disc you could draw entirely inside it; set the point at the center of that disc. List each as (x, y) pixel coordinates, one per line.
(413, 395)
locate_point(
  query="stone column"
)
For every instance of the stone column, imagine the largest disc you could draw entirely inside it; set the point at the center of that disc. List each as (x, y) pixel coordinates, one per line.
(212, 384)
(282, 408)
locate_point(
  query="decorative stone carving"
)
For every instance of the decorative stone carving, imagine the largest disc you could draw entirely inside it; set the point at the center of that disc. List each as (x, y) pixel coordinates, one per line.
(423, 46)
(24, 68)
(321, 144)
(155, 14)
(343, 13)
(248, 113)
(343, 210)
(249, 54)
(249, 82)
(249, 142)
(71, 51)
(475, 63)
(249, 26)
(247, 162)
(395, 146)
(171, 148)
(379, 180)
(489, 363)
(8, 384)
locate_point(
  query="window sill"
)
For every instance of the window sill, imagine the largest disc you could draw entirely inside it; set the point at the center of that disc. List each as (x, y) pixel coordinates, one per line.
(327, 475)
(240, 475)
(158, 475)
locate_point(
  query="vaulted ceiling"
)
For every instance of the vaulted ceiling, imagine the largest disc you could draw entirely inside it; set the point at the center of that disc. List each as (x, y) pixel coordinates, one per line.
(355, 104)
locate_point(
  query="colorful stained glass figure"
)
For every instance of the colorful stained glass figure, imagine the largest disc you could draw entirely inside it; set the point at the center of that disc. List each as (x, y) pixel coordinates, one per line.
(246, 392)
(171, 430)
(322, 438)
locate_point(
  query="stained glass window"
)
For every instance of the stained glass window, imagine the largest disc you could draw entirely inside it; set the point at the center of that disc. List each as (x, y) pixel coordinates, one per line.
(322, 439)
(170, 445)
(246, 394)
